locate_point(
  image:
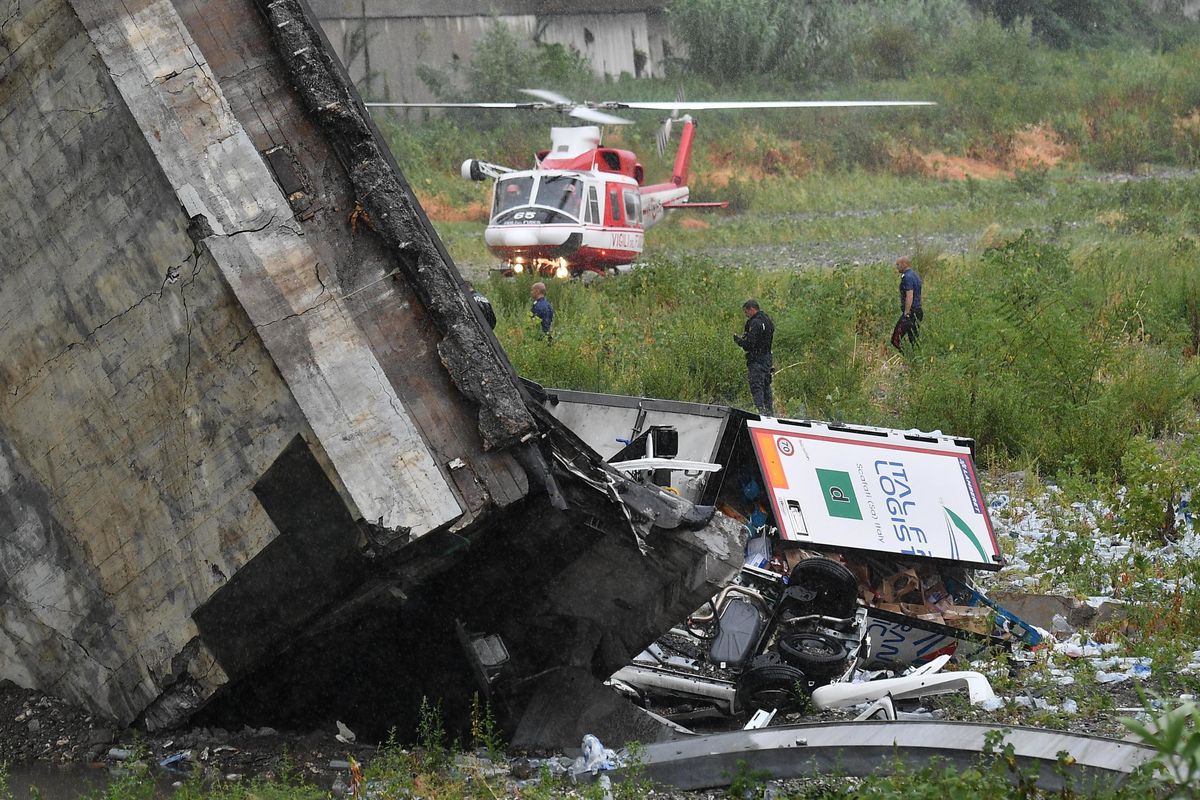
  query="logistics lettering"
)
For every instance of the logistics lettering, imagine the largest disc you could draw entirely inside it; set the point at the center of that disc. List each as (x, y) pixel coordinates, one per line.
(866, 490)
(893, 481)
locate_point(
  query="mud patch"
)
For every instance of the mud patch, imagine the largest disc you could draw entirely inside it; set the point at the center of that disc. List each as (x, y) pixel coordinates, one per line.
(1034, 147)
(1038, 147)
(936, 164)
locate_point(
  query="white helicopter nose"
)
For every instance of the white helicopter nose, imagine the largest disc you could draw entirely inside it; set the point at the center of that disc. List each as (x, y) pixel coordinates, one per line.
(526, 236)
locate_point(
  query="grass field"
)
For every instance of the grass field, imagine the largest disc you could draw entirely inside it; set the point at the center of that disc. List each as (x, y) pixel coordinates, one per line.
(1061, 325)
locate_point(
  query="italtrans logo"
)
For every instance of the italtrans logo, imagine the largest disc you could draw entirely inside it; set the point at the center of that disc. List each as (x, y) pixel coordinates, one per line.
(838, 491)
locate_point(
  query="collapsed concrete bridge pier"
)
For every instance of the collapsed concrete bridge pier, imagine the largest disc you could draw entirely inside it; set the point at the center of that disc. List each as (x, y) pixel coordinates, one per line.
(258, 454)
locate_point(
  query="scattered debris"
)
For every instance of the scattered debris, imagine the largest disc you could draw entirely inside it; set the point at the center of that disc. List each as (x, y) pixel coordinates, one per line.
(595, 757)
(849, 566)
(344, 734)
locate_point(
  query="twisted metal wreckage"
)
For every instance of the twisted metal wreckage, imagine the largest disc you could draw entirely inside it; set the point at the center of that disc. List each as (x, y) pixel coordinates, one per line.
(260, 460)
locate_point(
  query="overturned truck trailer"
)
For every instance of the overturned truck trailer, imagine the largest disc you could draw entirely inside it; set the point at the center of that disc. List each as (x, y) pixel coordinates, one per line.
(259, 460)
(862, 546)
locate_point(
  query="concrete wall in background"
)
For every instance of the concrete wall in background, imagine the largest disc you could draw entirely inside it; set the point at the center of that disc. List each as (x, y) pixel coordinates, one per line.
(383, 43)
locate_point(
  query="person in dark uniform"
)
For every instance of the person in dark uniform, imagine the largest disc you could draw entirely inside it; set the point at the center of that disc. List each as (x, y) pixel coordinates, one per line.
(485, 306)
(542, 308)
(756, 341)
(911, 313)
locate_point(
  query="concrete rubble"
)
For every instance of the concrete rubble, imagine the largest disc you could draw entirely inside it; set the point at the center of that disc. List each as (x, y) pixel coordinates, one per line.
(255, 444)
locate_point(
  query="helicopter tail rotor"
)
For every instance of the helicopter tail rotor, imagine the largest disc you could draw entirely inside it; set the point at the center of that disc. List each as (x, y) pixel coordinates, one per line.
(663, 138)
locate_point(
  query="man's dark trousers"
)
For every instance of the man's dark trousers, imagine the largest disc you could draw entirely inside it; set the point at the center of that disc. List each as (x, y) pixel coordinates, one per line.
(909, 326)
(760, 384)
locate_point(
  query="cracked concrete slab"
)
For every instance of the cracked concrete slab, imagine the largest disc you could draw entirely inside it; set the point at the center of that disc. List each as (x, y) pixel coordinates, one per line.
(246, 405)
(324, 358)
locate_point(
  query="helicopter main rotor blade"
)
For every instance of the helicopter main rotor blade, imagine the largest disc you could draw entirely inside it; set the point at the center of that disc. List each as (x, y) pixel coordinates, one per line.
(550, 97)
(594, 112)
(584, 111)
(592, 115)
(530, 106)
(734, 104)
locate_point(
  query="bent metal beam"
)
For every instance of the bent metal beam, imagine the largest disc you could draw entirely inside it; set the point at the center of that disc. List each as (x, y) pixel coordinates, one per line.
(863, 748)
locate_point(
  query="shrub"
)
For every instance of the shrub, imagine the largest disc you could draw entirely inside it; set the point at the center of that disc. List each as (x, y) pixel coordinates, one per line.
(1156, 477)
(1175, 736)
(732, 40)
(1124, 139)
(1065, 23)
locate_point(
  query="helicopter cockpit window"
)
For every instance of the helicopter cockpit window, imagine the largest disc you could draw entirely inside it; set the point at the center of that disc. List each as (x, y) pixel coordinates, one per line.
(633, 206)
(562, 192)
(511, 193)
(593, 215)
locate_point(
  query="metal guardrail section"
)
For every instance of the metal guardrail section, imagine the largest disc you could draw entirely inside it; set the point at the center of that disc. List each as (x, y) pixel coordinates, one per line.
(861, 748)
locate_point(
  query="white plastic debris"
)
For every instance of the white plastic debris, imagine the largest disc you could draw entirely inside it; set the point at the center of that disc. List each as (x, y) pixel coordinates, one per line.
(1111, 677)
(595, 756)
(992, 704)
(761, 719)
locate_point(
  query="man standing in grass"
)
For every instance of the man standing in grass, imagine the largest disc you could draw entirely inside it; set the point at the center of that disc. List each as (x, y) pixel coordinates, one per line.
(911, 313)
(541, 307)
(756, 341)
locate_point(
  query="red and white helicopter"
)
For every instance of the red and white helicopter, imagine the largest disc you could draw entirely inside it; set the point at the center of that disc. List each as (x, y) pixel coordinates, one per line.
(584, 207)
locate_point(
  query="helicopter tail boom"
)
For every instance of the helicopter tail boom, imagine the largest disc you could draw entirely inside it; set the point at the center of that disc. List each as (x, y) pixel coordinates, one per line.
(683, 156)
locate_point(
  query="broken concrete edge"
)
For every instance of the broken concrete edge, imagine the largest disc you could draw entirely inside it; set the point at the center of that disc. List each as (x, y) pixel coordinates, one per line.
(653, 507)
(471, 358)
(861, 749)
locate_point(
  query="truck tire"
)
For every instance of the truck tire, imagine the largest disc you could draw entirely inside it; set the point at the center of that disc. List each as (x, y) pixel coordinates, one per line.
(768, 686)
(818, 655)
(836, 586)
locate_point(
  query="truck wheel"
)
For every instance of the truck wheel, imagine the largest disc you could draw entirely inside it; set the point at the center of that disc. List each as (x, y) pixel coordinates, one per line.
(768, 686)
(818, 655)
(836, 586)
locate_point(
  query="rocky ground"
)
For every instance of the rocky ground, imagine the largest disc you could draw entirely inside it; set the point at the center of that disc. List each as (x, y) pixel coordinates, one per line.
(38, 728)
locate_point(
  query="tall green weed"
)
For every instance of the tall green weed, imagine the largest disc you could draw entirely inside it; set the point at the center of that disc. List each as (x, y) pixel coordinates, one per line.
(1055, 358)
(1175, 736)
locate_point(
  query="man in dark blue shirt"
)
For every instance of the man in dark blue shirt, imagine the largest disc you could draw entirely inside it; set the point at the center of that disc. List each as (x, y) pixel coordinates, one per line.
(911, 313)
(541, 307)
(756, 341)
